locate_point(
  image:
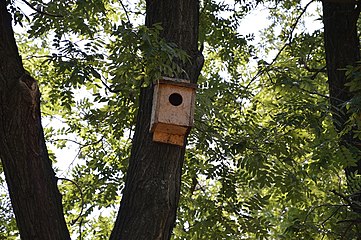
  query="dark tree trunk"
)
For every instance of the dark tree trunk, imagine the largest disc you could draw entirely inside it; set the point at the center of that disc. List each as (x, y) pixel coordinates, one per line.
(149, 202)
(30, 178)
(342, 49)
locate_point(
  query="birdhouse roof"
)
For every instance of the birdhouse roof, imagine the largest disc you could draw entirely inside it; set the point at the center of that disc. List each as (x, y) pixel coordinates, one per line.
(176, 82)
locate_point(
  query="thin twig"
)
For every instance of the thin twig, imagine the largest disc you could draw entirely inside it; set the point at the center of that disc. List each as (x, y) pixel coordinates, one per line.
(38, 56)
(323, 205)
(125, 10)
(72, 162)
(343, 197)
(40, 11)
(314, 93)
(81, 196)
(332, 214)
(346, 230)
(80, 231)
(67, 140)
(354, 221)
(317, 71)
(109, 88)
(81, 146)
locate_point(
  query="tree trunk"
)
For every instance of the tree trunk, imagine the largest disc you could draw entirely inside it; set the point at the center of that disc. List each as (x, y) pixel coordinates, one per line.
(152, 189)
(342, 49)
(30, 178)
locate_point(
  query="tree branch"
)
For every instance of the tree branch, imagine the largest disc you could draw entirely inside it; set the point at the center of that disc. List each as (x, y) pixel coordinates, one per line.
(354, 205)
(288, 42)
(317, 71)
(40, 11)
(109, 88)
(125, 10)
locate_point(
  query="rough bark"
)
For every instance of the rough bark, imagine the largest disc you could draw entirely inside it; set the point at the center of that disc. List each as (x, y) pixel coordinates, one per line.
(30, 178)
(152, 189)
(342, 48)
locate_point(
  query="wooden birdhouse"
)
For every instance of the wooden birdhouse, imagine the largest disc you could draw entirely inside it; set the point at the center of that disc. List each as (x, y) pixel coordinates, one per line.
(173, 110)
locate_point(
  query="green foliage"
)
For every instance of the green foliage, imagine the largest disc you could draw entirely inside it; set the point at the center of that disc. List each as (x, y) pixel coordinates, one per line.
(8, 229)
(263, 160)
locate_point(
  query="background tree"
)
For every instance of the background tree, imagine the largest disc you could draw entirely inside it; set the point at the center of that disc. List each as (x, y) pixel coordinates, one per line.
(30, 178)
(342, 49)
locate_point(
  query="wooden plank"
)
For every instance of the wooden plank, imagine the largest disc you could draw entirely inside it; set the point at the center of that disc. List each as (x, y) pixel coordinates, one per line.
(168, 138)
(176, 82)
(171, 129)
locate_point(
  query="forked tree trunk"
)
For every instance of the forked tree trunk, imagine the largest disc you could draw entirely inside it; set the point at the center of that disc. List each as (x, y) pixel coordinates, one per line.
(342, 48)
(30, 178)
(150, 198)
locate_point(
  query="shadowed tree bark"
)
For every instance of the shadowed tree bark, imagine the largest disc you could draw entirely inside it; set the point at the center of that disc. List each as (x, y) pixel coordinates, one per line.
(342, 48)
(29, 175)
(149, 202)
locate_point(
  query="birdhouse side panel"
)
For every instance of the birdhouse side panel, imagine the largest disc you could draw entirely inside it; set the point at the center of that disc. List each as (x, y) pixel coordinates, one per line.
(155, 108)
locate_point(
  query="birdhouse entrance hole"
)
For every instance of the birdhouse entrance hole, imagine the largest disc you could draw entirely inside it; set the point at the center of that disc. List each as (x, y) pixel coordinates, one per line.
(172, 110)
(175, 99)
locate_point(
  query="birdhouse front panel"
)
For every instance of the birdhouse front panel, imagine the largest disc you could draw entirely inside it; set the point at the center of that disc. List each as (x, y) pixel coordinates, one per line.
(175, 105)
(173, 110)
